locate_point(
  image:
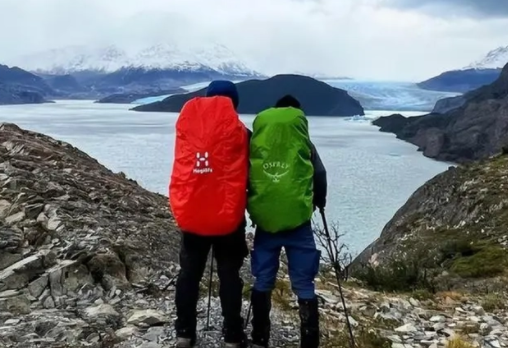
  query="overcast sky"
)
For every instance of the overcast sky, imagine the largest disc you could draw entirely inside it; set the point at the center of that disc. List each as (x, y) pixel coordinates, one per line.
(378, 39)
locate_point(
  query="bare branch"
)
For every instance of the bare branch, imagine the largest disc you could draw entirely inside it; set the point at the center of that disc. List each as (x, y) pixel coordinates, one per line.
(334, 252)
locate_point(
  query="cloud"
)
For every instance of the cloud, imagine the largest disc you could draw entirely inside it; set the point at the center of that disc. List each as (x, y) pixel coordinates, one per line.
(358, 38)
(447, 8)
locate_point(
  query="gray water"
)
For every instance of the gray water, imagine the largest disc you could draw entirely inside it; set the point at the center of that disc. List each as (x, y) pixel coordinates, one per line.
(370, 174)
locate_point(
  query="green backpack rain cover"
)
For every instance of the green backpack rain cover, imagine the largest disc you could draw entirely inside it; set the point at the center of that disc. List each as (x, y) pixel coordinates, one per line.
(281, 171)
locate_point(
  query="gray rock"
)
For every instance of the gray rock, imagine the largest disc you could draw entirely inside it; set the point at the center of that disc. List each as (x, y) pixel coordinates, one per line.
(33, 210)
(37, 287)
(5, 207)
(7, 259)
(103, 310)
(437, 319)
(148, 316)
(15, 218)
(406, 328)
(153, 333)
(127, 332)
(150, 345)
(68, 275)
(17, 275)
(14, 302)
(478, 310)
(49, 302)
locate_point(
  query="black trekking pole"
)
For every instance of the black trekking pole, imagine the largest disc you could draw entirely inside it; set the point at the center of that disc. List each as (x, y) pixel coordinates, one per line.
(209, 292)
(336, 268)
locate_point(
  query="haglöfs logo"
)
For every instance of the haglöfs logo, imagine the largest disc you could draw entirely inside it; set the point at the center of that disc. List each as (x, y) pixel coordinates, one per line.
(202, 164)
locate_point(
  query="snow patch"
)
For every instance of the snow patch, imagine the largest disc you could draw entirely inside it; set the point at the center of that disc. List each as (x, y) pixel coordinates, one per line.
(495, 59)
(111, 58)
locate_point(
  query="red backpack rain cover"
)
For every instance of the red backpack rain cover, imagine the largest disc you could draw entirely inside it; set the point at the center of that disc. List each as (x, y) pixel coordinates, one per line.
(208, 187)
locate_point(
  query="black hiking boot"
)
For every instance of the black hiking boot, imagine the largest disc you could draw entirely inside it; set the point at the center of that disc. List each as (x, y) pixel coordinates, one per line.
(309, 323)
(261, 307)
(182, 342)
(185, 338)
(234, 336)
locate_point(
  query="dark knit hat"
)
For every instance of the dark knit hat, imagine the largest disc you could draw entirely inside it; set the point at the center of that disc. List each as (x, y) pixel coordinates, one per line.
(288, 101)
(223, 88)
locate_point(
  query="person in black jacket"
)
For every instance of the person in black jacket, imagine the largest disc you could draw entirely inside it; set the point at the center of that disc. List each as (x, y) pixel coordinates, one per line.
(303, 257)
(320, 182)
(229, 252)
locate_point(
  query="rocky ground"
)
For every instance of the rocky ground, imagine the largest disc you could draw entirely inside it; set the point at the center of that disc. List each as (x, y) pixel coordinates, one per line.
(420, 320)
(88, 259)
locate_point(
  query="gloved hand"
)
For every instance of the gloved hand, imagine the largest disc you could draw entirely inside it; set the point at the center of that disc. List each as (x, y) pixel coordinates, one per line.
(319, 203)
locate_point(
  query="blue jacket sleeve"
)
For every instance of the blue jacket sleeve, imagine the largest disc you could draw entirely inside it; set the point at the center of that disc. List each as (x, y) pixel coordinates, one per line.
(320, 180)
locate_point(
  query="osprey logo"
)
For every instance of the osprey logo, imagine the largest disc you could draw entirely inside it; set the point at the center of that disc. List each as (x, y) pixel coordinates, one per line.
(202, 164)
(275, 170)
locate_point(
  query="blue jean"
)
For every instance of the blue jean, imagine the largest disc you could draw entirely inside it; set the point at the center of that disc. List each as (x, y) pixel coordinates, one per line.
(303, 260)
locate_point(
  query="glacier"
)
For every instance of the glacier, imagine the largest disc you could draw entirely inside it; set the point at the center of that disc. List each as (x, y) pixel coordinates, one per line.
(373, 95)
(391, 95)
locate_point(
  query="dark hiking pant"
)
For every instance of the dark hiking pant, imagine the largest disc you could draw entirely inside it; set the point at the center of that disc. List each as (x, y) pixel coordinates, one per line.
(229, 251)
(302, 254)
(303, 265)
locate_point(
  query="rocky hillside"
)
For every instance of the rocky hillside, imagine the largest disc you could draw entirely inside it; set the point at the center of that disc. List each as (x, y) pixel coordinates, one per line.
(19, 95)
(87, 259)
(66, 86)
(73, 234)
(475, 130)
(18, 86)
(445, 105)
(317, 98)
(451, 231)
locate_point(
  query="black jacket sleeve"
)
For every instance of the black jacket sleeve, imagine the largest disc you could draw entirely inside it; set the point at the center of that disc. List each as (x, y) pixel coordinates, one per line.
(320, 181)
(249, 136)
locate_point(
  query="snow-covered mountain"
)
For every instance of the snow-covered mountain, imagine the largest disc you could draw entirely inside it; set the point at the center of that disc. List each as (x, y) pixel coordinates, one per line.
(164, 56)
(482, 72)
(495, 59)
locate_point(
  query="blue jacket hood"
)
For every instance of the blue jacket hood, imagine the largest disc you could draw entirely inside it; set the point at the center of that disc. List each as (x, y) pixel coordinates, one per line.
(225, 89)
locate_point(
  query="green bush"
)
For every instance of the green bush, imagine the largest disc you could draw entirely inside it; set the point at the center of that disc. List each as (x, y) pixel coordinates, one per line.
(485, 262)
(396, 276)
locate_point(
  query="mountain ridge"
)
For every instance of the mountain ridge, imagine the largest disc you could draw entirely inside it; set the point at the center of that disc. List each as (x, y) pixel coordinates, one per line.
(316, 97)
(475, 129)
(111, 58)
(494, 59)
(18, 86)
(96, 72)
(481, 72)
